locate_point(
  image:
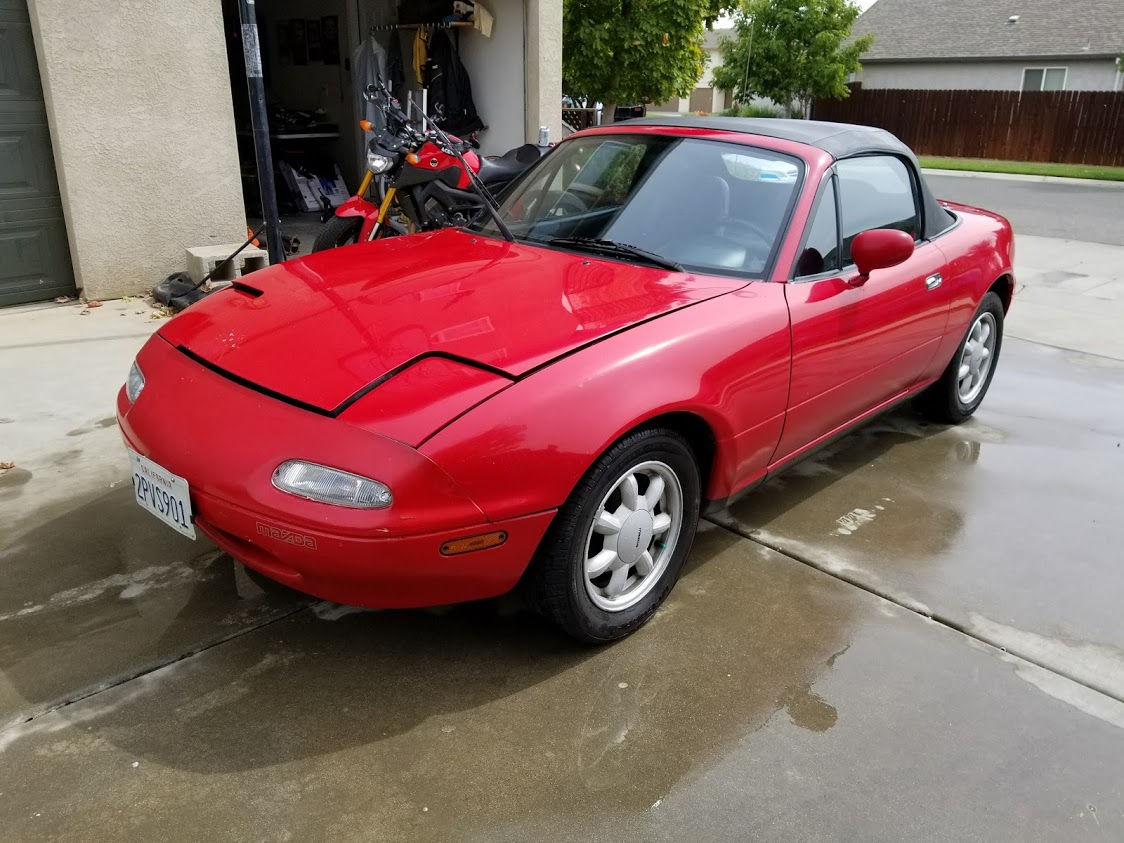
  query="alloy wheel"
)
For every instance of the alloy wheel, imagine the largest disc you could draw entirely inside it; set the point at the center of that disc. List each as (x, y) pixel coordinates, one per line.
(976, 357)
(633, 536)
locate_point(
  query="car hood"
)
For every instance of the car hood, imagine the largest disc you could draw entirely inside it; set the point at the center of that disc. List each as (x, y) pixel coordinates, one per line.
(325, 329)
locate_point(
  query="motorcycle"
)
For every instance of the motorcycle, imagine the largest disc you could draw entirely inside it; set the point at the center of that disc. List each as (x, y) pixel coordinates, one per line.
(417, 181)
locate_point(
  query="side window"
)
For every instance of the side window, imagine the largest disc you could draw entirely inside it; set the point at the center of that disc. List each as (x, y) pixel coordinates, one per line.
(821, 251)
(875, 192)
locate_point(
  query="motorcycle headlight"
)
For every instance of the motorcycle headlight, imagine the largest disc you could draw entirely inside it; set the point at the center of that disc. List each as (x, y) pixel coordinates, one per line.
(330, 485)
(134, 383)
(378, 163)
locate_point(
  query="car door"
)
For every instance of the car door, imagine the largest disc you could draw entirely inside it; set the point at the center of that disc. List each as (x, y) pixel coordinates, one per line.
(857, 344)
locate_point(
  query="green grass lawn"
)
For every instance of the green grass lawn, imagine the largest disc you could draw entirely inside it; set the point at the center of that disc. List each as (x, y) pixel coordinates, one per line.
(1026, 168)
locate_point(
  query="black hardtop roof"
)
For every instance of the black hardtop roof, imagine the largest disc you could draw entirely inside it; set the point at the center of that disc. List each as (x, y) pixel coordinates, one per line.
(840, 140)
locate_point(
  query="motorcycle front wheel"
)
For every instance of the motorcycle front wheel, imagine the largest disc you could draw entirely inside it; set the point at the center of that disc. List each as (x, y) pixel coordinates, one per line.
(338, 231)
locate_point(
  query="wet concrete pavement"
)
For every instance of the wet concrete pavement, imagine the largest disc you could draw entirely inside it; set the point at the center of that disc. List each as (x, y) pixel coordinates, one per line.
(774, 695)
(766, 699)
(97, 595)
(1008, 527)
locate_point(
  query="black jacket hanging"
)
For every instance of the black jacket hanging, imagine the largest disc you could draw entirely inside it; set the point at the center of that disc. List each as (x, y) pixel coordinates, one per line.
(450, 89)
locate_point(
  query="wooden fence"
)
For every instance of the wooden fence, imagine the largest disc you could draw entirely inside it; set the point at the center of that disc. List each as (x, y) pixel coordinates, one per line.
(1069, 127)
(580, 118)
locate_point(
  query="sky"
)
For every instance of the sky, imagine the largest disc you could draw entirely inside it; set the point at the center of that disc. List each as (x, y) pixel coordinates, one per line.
(728, 22)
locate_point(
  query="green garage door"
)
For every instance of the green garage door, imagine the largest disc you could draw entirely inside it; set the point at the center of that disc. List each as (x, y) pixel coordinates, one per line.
(34, 255)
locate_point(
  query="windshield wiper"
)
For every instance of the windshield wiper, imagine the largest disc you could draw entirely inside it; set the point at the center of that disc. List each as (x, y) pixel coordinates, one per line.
(618, 250)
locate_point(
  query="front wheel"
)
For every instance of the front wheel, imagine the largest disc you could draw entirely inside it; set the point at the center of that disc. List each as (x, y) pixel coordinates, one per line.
(618, 544)
(962, 387)
(338, 231)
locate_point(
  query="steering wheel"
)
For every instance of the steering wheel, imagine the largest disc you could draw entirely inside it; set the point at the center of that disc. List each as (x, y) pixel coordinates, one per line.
(753, 228)
(578, 199)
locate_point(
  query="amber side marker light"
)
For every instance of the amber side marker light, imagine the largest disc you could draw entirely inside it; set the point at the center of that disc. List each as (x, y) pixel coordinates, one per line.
(412, 159)
(459, 546)
(366, 126)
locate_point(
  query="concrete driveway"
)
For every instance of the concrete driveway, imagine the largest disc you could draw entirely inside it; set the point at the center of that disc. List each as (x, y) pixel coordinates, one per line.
(916, 635)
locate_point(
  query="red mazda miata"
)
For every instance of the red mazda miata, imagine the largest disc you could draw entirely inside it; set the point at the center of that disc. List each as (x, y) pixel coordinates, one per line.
(659, 316)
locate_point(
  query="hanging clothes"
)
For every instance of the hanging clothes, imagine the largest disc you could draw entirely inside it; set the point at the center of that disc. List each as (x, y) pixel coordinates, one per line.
(395, 68)
(482, 20)
(369, 63)
(421, 54)
(450, 89)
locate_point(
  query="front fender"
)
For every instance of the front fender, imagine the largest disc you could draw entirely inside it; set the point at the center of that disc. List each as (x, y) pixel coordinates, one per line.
(725, 360)
(357, 206)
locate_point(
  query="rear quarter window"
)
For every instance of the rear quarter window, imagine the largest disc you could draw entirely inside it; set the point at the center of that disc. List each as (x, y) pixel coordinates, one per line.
(876, 192)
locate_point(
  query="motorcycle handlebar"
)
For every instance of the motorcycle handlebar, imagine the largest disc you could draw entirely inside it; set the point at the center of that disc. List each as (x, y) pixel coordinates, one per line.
(380, 94)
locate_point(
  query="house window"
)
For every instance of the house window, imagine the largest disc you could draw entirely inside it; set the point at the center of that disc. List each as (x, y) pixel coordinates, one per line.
(1044, 78)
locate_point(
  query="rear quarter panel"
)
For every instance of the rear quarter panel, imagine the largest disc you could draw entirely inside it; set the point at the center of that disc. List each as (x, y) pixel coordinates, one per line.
(978, 250)
(725, 360)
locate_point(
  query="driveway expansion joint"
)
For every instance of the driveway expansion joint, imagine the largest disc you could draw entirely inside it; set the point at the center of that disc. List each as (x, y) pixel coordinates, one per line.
(916, 608)
(123, 679)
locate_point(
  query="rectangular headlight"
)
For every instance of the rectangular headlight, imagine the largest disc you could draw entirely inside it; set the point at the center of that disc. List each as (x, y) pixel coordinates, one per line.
(330, 485)
(134, 383)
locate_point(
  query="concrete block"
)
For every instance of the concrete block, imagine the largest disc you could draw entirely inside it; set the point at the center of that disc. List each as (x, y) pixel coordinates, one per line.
(202, 259)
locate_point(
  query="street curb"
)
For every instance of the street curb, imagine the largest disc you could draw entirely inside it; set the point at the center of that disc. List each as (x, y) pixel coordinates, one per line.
(972, 174)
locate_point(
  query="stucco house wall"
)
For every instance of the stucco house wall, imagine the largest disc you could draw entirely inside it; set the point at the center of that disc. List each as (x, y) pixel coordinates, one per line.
(142, 127)
(965, 74)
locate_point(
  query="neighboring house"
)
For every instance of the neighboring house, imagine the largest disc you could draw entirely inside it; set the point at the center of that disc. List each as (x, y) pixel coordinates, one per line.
(1004, 45)
(705, 97)
(119, 137)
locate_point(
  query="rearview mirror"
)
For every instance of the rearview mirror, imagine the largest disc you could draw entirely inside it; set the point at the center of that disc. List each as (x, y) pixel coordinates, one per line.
(880, 248)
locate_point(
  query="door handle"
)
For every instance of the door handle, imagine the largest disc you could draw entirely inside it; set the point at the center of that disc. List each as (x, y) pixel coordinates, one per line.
(933, 281)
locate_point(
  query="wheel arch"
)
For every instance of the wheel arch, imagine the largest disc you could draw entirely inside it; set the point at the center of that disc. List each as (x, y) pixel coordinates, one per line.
(692, 427)
(1004, 287)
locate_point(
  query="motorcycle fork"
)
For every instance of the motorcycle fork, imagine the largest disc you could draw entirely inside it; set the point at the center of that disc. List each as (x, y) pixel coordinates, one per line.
(384, 209)
(365, 184)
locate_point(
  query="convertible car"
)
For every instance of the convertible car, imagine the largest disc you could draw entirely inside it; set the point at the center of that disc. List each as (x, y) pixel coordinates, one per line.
(659, 316)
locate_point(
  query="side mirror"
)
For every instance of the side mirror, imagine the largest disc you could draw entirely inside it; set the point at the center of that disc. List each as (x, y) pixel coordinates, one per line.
(880, 248)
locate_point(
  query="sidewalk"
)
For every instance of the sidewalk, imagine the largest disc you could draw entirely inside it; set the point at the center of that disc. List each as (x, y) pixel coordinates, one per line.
(1070, 294)
(972, 174)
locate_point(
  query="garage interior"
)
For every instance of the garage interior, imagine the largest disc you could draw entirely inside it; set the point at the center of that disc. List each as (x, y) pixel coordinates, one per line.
(314, 53)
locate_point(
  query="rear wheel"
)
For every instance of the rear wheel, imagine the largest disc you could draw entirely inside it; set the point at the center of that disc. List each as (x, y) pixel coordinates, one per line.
(617, 546)
(338, 231)
(965, 382)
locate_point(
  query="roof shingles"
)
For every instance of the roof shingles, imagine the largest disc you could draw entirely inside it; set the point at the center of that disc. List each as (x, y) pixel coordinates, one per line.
(951, 29)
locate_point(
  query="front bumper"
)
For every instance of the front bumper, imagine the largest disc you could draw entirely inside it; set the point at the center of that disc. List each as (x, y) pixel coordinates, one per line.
(226, 440)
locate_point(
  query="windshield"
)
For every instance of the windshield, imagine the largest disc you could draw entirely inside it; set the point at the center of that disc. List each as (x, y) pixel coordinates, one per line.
(707, 205)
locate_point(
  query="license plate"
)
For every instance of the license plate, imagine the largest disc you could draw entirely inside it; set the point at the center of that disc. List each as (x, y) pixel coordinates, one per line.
(162, 493)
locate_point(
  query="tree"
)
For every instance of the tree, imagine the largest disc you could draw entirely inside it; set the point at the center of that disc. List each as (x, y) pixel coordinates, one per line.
(790, 50)
(625, 51)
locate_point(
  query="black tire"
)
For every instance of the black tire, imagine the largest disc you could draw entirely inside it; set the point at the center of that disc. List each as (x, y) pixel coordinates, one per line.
(555, 584)
(941, 402)
(338, 231)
